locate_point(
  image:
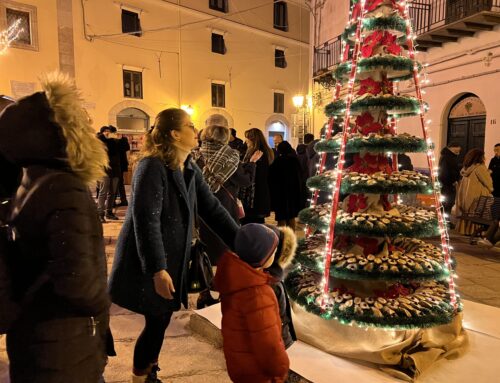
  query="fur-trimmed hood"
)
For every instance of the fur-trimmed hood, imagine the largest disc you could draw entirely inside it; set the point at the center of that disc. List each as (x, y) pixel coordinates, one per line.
(52, 128)
(285, 253)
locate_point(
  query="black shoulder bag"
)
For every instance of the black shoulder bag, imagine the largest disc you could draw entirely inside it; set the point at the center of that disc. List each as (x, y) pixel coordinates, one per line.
(200, 272)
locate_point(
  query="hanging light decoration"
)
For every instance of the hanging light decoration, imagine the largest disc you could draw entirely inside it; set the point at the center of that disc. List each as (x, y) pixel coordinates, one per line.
(9, 35)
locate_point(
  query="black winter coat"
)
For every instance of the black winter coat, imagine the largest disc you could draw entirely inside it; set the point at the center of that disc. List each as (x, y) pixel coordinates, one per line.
(495, 175)
(58, 233)
(60, 335)
(157, 234)
(449, 169)
(262, 196)
(124, 147)
(113, 148)
(285, 183)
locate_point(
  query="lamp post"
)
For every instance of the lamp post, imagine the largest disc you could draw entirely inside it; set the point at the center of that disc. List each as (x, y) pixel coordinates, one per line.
(298, 102)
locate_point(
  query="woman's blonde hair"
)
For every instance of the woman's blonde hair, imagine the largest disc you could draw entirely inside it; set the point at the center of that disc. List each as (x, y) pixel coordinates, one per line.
(159, 141)
(216, 133)
(86, 153)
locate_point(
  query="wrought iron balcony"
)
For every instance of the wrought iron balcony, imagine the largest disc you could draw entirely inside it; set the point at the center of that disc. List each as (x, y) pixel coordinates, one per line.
(435, 22)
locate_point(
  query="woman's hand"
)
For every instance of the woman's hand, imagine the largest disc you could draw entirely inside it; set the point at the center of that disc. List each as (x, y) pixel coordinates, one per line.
(256, 156)
(164, 286)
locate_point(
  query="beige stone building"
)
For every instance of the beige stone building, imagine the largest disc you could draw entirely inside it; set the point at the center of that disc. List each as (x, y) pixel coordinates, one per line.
(241, 59)
(460, 42)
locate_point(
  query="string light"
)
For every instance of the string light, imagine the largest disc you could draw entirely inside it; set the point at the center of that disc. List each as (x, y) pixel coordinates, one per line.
(9, 35)
(431, 162)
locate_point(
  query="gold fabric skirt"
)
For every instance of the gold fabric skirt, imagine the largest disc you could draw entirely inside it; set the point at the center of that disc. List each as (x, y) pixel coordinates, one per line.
(404, 354)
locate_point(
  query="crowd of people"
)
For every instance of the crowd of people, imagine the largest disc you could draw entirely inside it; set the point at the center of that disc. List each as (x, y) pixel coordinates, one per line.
(187, 186)
(54, 289)
(462, 185)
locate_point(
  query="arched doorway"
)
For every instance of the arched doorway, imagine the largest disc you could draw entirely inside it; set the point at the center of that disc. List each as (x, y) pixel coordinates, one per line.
(467, 123)
(132, 123)
(277, 124)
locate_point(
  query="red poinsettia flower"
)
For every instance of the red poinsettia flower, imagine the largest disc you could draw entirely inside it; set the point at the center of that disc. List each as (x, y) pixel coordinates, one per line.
(371, 5)
(356, 202)
(371, 42)
(369, 85)
(384, 199)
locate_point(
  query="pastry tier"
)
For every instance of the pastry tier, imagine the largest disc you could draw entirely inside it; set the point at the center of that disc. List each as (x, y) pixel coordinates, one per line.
(423, 305)
(403, 182)
(411, 222)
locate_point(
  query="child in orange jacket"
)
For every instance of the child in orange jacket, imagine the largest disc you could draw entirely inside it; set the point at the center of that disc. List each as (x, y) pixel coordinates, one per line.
(251, 324)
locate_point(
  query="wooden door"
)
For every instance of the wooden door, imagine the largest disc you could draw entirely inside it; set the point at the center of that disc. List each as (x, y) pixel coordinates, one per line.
(468, 132)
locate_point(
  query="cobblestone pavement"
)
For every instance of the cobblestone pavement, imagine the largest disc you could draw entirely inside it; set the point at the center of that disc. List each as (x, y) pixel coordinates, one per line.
(187, 358)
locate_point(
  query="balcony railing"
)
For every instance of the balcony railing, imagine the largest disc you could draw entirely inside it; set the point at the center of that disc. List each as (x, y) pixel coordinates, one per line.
(428, 16)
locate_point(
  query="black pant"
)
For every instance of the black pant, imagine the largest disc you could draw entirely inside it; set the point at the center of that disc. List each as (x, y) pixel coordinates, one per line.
(121, 189)
(148, 346)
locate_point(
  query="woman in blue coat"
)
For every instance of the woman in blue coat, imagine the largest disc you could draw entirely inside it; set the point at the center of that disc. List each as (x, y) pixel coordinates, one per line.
(149, 274)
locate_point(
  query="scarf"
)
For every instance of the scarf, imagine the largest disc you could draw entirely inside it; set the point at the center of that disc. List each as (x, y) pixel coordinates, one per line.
(221, 163)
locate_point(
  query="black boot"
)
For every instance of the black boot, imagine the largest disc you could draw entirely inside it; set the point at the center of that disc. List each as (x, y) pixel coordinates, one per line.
(205, 300)
(153, 375)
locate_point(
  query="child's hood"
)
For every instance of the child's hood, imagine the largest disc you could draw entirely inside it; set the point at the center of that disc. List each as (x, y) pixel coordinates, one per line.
(234, 275)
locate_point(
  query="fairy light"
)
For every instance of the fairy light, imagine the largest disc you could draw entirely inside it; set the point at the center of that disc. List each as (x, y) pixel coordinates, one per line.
(9, 35)
(431, 162)
(341, 162)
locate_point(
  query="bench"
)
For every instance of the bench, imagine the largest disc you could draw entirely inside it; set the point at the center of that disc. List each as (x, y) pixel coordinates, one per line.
(484, 211)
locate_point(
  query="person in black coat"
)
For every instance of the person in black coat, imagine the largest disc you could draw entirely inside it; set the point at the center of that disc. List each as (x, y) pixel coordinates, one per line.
(237, 143)
(10, 174)
(303, 157)
(58, 264)
(449, 174)
(123, 149)
(495, 171)
(149, 274)
(285, 183)
(257, 198)
(109, 184)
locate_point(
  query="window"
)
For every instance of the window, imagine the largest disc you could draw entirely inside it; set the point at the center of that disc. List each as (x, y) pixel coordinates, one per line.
(218, 45)
(279, 58)
(218, 5)
(131, 23)
(218, 95)
(24, 18)
(281, 16)
(132, 84)
(279, 102)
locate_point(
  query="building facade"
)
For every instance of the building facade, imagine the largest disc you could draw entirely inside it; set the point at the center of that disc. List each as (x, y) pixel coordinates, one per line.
(131, 58)
(459, 40)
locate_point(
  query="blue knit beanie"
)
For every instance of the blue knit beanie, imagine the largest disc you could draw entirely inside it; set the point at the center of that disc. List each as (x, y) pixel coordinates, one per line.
(255, 243)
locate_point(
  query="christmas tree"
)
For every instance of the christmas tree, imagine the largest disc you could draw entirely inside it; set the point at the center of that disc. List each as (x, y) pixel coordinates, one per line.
(364, 261)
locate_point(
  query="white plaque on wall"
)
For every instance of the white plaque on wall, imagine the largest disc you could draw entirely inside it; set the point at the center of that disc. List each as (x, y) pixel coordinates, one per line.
(20, 89)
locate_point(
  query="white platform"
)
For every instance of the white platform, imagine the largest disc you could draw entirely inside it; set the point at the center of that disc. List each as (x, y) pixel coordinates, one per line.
(480, 364)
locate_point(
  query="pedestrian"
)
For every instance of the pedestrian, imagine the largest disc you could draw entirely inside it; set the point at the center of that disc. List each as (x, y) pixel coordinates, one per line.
(58, 263)
(251, 323)
(286, 186)
(449, 174)
(256, 198)
(302, 155)
(494, 168)
(225, 175)
(10, 173)
(149, 274)
(109, 183)
(277, 139)
(476, 182)
(237, 143)
(404, 162)
(222, 169)
(285, 252)
(123, 149)
(491, 238)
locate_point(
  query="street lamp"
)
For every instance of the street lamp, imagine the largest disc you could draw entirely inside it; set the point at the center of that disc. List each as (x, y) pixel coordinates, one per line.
(298, 101)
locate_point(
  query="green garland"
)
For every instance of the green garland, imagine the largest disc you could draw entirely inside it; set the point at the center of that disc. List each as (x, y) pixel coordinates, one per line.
(428, 228)
(439, 314)
(410, 106)
(395, 23)
(396, 63)
(322, 183)
(306, 260)
(402, 143)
